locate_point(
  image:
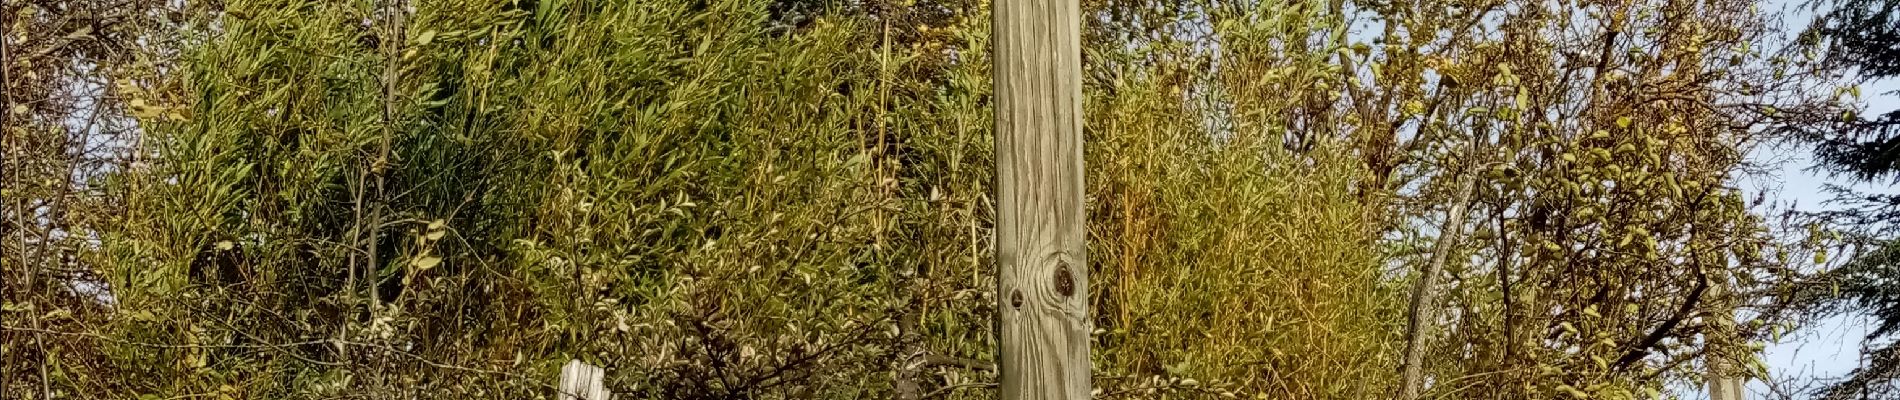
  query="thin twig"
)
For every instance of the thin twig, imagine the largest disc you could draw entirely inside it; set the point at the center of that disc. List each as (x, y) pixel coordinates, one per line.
(947, 389)
(96, 336)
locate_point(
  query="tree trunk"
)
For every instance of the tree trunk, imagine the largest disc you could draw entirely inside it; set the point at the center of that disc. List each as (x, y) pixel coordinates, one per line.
(1419, 314)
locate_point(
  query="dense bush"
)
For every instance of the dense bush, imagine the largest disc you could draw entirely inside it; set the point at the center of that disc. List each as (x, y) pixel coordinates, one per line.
(790, 199)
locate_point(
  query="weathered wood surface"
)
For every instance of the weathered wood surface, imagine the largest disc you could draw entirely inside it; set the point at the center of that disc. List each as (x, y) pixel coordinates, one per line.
(1040, 251)
(580, 381)
(1723, 387)
(1725, 378)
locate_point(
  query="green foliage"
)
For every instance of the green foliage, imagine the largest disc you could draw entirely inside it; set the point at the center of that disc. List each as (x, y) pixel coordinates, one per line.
(1232, 251)
(663, 187)
(790, 199)
(1605, 222)
(1859, 37)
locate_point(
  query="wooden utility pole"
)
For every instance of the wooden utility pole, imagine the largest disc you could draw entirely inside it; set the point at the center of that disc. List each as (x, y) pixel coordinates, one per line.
(1724, 382)
(1040, 251)
(1725, 378)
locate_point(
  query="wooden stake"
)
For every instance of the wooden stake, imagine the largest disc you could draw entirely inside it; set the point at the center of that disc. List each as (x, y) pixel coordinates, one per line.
(1040, 250)
(583, 381)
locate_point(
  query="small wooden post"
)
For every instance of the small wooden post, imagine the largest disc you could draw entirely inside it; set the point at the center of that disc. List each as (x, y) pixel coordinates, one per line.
(1040, 251)
(581, 381)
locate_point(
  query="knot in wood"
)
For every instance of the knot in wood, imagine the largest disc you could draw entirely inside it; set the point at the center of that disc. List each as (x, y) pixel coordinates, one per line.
(1016, 298)
(1064, 280)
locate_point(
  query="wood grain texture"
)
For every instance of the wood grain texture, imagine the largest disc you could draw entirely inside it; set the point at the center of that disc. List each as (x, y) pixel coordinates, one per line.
(1041, 253)
(583, 381)
(1726, 379)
